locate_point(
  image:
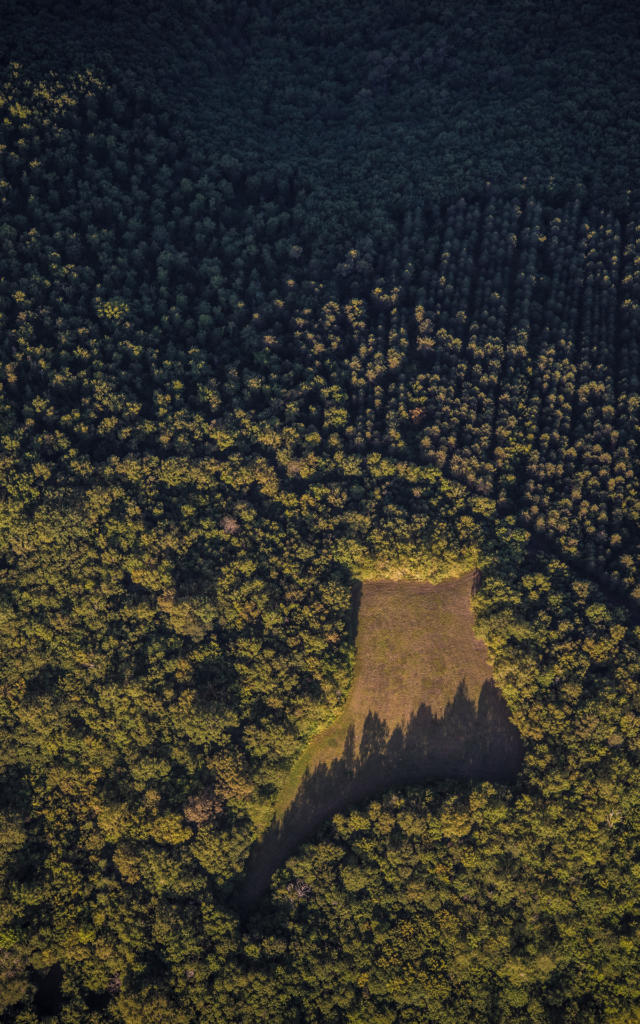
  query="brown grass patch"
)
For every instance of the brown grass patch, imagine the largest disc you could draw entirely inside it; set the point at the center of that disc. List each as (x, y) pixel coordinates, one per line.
(415, 645)
(422, 708)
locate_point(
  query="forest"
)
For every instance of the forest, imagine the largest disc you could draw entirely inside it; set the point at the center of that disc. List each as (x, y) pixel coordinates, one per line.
(295, 295)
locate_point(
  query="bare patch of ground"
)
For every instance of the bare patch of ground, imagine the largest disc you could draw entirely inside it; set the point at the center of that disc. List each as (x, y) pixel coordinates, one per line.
(423, 707)
(414, 644)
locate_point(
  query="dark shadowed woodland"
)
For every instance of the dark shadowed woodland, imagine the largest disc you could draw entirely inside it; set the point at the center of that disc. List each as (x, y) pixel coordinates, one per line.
(291, 295)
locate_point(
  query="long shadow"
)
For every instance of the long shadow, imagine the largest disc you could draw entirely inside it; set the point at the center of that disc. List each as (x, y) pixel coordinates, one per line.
(354, 610)
(465, 743)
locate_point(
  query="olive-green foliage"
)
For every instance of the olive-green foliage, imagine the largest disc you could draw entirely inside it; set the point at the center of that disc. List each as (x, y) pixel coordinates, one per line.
(264, 324)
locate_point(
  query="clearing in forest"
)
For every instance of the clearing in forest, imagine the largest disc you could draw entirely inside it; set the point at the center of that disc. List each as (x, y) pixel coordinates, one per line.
(422, 707)
(415, 649)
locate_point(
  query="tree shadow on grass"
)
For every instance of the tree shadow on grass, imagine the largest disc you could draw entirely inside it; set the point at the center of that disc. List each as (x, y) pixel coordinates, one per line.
(465, 743)
(354, 610)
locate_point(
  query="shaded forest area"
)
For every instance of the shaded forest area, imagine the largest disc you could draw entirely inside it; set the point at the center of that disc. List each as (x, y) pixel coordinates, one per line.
(291, 294)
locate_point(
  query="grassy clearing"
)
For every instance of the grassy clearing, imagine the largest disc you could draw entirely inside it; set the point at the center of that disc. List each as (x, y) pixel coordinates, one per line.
(415, 645)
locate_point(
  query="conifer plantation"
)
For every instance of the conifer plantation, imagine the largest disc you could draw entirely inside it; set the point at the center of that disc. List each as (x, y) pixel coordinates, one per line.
(299, 298)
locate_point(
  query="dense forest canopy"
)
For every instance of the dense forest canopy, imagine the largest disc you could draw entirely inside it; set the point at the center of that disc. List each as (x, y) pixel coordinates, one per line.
(294, 294)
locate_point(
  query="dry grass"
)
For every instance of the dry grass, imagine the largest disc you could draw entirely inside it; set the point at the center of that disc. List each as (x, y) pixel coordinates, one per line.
(415, 644)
